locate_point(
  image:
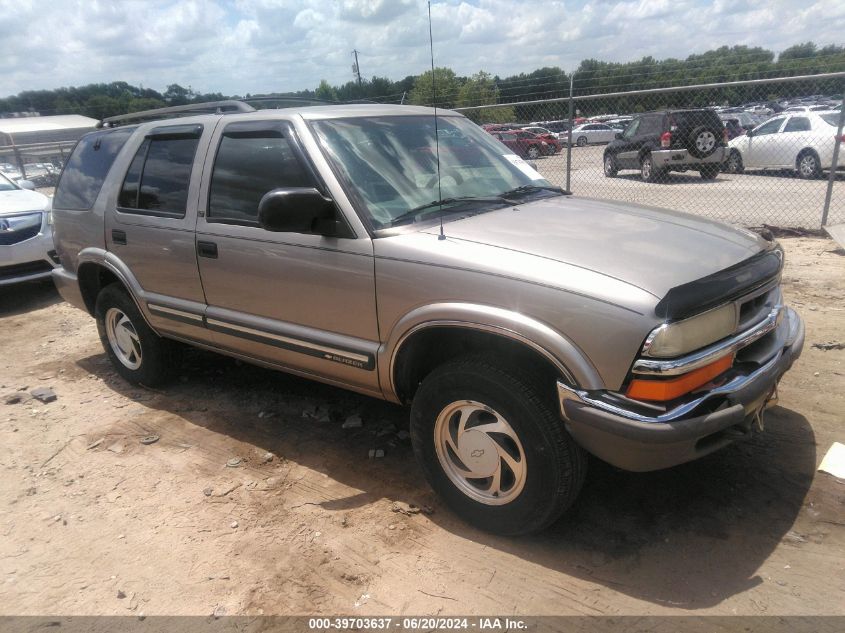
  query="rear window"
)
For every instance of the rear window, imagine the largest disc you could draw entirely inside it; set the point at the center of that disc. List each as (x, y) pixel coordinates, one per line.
(831, 119)
(694, 118)
(87, 167)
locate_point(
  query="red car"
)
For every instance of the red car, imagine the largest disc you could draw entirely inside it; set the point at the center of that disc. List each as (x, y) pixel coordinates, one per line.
(554, 145)
(524, 144)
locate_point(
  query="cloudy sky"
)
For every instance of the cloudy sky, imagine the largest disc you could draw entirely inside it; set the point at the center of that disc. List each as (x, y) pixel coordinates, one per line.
(255, 46)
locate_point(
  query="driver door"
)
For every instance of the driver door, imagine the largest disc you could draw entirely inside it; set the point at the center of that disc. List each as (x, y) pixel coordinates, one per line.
(299, 300)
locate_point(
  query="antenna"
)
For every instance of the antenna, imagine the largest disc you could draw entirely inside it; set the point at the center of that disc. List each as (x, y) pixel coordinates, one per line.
(442, 236)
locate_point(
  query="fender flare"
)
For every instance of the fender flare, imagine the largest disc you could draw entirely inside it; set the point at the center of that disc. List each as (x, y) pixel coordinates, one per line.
(112, 263)
(573, 364)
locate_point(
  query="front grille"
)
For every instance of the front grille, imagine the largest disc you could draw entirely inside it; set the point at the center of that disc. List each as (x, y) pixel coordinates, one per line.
(22, 270)
(14, 237)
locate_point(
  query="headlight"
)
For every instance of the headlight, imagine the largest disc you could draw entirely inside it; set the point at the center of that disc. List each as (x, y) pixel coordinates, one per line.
(674, 339)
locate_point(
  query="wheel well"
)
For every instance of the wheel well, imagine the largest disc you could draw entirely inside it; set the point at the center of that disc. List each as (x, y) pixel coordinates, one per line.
(429, 348)
(92, 279)
(806, 150)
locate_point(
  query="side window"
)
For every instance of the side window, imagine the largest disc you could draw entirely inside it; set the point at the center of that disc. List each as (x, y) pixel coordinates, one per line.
(797, 124)
(632, 128)
(249, 163)
(157, 180)
(769, 127)
(87, 168)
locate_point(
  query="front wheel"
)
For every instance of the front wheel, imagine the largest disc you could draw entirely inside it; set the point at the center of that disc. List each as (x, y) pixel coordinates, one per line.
(533, 152)
(138, 354)
(582, 141)
(493, 447)
(734, 163)
(808, 165)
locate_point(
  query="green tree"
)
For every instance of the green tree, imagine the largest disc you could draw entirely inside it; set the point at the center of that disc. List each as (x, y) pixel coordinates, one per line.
(443, 83)
(325, 92)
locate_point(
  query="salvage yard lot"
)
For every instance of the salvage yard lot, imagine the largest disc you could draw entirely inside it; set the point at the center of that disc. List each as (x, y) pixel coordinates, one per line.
(754, 198)
(95, 522)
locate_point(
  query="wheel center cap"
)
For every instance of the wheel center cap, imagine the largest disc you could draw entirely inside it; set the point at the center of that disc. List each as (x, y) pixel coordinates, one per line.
(479, 453)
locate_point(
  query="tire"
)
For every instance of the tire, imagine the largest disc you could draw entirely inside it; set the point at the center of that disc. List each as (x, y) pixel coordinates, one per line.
(539, 468)
(703, 141)
(807, 165)
(611, 167)
(582, 141)
(533, 152)
(138, 354)
(648, 171)
(709, 172)
(734, 163)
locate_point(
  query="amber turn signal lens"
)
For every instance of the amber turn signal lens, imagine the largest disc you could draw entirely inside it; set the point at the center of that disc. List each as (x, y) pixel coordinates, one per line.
(663, 390)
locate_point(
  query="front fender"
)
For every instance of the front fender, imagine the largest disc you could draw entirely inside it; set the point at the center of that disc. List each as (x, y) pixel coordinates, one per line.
(573, 364)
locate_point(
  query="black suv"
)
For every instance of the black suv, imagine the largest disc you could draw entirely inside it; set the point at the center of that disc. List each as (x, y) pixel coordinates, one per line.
(658, 142)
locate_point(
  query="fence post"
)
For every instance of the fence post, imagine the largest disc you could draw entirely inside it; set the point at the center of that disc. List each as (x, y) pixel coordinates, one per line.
(19, 160)
(569, 134)
(832, 175)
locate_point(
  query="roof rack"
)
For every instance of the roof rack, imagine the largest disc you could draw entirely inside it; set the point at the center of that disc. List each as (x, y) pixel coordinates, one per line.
(209, 107)
(229, 106)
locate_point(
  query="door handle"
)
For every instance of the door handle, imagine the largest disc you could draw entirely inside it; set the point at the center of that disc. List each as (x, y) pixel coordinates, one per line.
(118, 237)
(207, 249)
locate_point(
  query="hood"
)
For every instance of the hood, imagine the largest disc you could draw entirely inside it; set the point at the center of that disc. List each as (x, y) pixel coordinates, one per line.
(19, 200)
(649, 248)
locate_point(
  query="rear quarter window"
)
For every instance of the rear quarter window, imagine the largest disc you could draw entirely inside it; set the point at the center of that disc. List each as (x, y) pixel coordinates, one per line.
(87, 168)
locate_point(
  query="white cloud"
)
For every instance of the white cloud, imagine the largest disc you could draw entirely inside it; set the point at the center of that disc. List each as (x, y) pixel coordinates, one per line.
(251, 46)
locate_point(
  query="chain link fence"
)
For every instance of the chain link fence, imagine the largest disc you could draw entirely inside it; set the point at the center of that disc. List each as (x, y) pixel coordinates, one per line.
(754, 153)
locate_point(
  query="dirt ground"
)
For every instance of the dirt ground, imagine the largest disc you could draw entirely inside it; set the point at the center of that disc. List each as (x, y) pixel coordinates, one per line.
(95, 522)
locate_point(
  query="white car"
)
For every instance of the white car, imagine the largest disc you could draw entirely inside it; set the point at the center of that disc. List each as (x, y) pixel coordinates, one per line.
(26, 233)
(536, 129)
(801, 141)
(593, 133)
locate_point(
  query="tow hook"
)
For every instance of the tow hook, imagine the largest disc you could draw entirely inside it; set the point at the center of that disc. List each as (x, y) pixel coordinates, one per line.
(759, 417)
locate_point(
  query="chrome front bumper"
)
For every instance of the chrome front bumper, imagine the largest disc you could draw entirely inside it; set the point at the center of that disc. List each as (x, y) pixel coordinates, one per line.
(638, 441)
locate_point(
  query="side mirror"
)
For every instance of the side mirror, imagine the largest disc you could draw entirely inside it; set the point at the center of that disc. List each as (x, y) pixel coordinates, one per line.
(26, 184)
(300, 210)
(618, 135)
(750, 133)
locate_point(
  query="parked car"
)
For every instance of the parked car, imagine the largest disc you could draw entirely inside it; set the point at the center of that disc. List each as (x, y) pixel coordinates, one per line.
(523, 326)
(553, 144)
(732, 126)
(658, 142)
(524, 144)
(26, 238)
(558, 127)
(588, 133)
(540, 131)
(800, 141)
(10, 171)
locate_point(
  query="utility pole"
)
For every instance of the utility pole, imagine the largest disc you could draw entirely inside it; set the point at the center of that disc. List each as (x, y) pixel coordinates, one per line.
(356, 68)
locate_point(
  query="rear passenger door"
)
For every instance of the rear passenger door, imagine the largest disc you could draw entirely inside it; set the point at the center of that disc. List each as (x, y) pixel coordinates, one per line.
(150, 225)
(796, 135)
(303, 301)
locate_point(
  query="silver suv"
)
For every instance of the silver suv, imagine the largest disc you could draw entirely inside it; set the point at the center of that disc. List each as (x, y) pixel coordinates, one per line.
(416, 259)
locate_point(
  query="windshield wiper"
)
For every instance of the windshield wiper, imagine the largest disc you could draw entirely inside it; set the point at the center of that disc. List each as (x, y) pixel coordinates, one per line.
(526, 189)
(440, 204)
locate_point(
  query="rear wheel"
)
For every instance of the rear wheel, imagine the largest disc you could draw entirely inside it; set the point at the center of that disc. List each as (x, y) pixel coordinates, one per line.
(808, 165)
(648, 171)
(709, 172)
(493, 447)
(610, 166)
(138, 354)
(582, 141)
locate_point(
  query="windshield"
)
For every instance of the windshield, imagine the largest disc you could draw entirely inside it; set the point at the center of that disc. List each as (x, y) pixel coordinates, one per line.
(6, 184)
(831, 119)
(389, 164)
